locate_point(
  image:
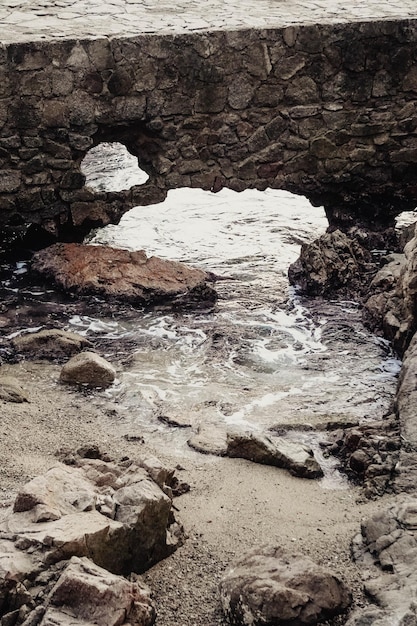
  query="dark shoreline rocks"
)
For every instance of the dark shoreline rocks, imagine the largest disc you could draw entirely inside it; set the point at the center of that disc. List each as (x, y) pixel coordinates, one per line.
(381, 455)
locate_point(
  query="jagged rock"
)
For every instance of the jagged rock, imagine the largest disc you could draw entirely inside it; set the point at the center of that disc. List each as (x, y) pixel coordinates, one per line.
(11, 390)
(113, 514)
(405, 403)
(50, 344)
(271, 586)
(295, 457)
(88, 368)
(332, 263)
(369, 453)
(385, 308)
(387, 550)
(123, 275)
(86, 594)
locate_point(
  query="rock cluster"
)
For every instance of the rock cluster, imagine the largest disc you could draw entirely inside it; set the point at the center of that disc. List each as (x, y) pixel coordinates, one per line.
(369, 453)
(75, 530)
(392, 297)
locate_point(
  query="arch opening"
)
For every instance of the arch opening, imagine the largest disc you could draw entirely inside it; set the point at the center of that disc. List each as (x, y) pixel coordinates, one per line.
(110, 167)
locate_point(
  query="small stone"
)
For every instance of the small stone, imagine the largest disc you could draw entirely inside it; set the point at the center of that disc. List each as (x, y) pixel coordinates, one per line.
(88, 368)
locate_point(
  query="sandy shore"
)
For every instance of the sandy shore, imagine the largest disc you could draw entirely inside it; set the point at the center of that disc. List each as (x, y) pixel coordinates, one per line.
(232, 506)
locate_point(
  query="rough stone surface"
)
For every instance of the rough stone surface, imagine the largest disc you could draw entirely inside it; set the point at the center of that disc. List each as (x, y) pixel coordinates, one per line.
(369, 453)
(86, 594)
(333, 263)
(50, 344)
(386, 550)
(273, 587)
(295, 457)
(113, 514)
(123, 275)
(209, 439)
(240, 107)
(88, 368)
(74, 531)
(405, 403)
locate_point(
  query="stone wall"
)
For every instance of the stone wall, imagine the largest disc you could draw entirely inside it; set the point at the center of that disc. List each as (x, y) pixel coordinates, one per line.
(327, 111)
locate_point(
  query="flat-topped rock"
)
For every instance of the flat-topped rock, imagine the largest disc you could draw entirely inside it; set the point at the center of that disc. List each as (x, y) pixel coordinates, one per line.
(123, 275)
(29, 20)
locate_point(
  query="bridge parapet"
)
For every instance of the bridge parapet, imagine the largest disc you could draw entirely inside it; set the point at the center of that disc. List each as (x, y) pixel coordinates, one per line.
(327, 110)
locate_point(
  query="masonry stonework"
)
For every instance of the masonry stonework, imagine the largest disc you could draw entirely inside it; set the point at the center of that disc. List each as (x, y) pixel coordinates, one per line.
(327, 111)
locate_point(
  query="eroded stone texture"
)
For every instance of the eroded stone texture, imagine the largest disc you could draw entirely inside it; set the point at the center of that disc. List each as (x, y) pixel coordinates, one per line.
(271, 586)
(116, 515)
(297, 458)
(386, 551)
(251, 108)
(74, 531)
(124, 276)
(333, 263)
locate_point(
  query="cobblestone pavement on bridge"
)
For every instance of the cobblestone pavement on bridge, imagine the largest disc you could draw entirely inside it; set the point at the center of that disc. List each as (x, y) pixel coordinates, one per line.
(29, 20)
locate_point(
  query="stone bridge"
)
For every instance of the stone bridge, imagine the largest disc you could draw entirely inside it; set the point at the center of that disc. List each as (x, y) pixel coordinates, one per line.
(283, 94)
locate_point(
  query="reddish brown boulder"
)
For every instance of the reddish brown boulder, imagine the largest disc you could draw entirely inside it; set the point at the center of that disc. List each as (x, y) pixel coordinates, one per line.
(123, 275)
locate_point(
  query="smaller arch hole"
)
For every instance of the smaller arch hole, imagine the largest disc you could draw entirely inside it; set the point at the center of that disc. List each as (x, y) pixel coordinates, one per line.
(109, 166)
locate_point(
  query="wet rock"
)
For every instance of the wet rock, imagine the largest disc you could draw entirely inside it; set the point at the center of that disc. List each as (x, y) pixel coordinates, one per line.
(369, 453)
(116, 515)
(11, 390)
(385, 306)
(271, 586)
(333, 263)
(86, 594)
(386, 550)
(123, 275)
(295, 457)
(88, 368)
(50, 344)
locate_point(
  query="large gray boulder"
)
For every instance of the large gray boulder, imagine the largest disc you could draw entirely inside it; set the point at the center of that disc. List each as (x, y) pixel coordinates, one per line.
(271, 586)
(123, 275)
(295, 457)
